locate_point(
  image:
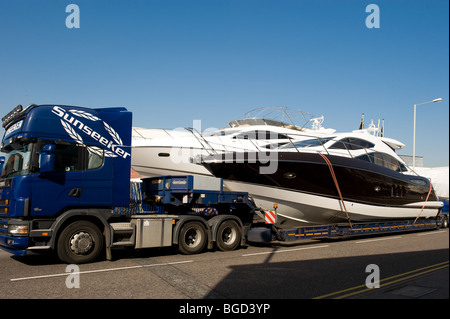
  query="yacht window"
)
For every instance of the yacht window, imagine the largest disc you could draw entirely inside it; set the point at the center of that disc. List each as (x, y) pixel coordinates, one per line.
(306, 143)
(384, 160)
(220, 133)
(244, 136)
(377, 158)
(282, 136)
(403, 167)
(164, 154)
(365, 158)
(419, 182)
(391, 163)
(261, 135)
(352, 143)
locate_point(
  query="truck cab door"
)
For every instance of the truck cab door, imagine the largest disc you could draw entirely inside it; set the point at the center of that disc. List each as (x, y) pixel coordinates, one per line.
(97, 178)
(61, 188)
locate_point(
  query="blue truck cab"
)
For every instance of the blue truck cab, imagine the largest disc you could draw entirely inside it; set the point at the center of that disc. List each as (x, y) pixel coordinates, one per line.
(62, 162)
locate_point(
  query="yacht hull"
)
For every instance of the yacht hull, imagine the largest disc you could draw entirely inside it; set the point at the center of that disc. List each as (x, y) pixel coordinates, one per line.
(305, 192)
(152, 161)
(302, 209)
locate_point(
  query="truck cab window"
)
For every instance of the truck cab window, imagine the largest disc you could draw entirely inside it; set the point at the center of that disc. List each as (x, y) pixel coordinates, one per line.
(95, 157)
(68, 158)
(71, 157)
(17, 162)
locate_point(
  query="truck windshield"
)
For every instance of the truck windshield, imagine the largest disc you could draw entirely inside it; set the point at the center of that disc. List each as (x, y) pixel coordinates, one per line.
(17, 162)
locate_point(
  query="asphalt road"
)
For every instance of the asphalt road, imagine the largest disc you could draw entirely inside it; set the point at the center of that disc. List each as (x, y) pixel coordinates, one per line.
(411, 266)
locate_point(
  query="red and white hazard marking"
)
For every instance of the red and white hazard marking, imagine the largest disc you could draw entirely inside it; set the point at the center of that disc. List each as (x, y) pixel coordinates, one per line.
(270, 217)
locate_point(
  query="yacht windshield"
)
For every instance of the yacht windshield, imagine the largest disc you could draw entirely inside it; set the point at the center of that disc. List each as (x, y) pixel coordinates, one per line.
(307, 143)
(17, 162)
(220, 133)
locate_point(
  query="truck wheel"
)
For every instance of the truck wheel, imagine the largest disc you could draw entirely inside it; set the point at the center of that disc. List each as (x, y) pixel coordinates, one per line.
(228, 235)
(192, 238)
(444, 222)
(80, 242)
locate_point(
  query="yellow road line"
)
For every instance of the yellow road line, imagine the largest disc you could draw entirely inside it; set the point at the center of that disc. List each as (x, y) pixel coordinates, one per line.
(392, 282)
(386, 281)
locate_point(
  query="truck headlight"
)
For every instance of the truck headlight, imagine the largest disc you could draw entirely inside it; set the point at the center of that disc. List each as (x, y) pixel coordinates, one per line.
(18, 229)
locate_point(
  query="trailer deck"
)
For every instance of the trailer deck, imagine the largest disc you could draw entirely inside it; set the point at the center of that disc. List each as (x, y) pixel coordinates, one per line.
(268, 234)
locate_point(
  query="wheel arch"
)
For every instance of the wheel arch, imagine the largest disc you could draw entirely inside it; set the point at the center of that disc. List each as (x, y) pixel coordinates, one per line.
(99, 217)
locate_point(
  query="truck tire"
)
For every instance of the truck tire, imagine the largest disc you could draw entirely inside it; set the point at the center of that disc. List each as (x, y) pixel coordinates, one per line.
(444, 222)
(80, 242)
(192, 239)
(228, 236)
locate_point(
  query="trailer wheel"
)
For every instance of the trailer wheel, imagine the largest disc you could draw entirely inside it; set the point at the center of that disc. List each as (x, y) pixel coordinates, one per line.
(80, 242)
(192, 238)
(444, 222)
(228, 236)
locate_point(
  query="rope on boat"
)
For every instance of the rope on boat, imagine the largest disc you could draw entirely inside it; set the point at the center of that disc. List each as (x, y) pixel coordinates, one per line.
(426, 200)
(333, 175)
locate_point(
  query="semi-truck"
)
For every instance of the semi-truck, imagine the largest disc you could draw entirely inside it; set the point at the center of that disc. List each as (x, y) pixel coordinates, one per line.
(65, 187)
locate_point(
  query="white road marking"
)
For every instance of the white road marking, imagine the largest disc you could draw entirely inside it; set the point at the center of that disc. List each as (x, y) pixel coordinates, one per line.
(284, 251)
(432, 233)
(100, 270)
(379, 239)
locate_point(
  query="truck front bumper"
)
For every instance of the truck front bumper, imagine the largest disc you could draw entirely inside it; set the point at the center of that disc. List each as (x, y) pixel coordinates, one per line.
(12, 243)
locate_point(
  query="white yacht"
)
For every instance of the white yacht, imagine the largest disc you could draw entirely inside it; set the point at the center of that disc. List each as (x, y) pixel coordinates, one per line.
(341, 177)
(157, 152)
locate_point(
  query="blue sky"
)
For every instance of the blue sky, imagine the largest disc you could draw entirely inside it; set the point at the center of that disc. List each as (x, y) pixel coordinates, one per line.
(174, 61)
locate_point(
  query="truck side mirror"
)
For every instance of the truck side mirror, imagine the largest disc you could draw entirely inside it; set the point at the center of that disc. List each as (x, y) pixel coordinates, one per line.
(47, 160)
(2, 161)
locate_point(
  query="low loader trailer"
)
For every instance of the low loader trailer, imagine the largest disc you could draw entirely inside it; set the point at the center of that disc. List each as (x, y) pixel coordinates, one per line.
(265, 234)
(344, 230)
(65, 187)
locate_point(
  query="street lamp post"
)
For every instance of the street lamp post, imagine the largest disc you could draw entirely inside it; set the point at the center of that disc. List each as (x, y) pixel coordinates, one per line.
(414, 136)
